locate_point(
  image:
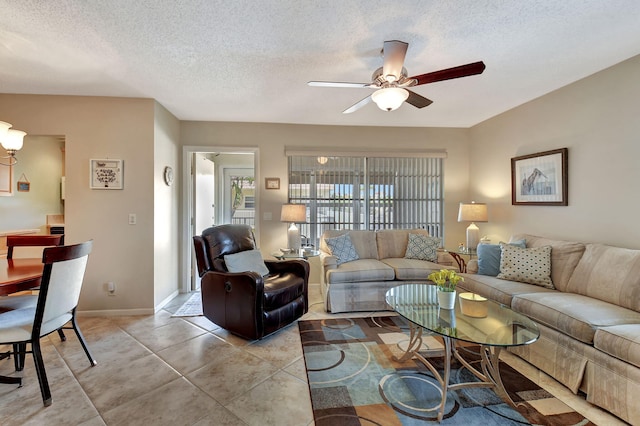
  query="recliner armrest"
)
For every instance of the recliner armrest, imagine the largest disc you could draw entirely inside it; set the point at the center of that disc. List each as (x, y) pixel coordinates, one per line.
(298, 267)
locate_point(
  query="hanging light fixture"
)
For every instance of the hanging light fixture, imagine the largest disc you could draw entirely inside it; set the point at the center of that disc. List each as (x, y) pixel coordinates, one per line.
(12, 141)
(389, 98)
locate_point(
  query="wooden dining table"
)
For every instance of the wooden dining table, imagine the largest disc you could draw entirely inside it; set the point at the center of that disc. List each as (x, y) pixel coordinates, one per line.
(18, 275)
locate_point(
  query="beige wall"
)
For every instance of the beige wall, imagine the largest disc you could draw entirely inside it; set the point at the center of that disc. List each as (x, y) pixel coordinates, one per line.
(166, 216)
(40, 159)
(271, 140)
(597, 120)
(102, 128)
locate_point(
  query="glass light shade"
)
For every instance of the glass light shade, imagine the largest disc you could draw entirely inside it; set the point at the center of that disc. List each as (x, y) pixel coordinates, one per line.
(390, 98)
(4, 127)
(13, 140)
(293, 213)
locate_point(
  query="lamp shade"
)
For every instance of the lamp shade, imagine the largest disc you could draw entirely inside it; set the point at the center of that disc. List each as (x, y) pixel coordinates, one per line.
(13, 140)
(472, 212)
(390, 98)
(293, 213)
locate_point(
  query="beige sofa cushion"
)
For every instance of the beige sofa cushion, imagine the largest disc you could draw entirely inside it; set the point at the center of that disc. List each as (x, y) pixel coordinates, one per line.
(502, 291)
(620, 341)
(608, 273)
(565, 255)
(392, 243)
(363, 241)
(413, 269)
(362, 270)
(575, 315)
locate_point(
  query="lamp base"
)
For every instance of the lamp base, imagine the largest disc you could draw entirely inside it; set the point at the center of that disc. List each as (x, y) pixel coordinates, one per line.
(473, 237)
(293, 237)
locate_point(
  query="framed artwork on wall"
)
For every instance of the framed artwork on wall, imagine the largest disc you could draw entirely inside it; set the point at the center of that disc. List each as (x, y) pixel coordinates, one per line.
(540, 179)
(272, 183)
(106, 174)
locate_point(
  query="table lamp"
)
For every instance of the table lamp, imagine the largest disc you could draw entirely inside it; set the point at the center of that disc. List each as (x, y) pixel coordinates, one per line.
(293, 213)
(472, 212)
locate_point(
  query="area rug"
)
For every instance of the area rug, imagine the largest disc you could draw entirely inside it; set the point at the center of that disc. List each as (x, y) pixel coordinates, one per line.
(354, 380)
(191, 308)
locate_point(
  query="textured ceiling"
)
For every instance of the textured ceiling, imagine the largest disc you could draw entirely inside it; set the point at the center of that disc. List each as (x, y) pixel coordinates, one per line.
(244, 60)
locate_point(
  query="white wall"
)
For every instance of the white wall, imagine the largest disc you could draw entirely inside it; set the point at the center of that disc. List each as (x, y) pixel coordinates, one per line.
(597, 120)
(40, 159)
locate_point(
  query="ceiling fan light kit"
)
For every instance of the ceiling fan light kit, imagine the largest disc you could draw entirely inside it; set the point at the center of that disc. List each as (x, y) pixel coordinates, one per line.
(391, 80)
(390, 98)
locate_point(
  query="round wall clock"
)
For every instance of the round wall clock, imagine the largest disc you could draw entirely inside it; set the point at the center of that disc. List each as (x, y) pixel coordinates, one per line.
(168, 175)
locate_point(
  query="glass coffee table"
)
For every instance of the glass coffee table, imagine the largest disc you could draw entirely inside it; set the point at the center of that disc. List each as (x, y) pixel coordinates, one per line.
(493, 327)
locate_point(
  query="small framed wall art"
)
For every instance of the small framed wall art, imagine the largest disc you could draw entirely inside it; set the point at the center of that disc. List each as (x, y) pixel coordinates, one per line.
(106, 174)
(272, 183)
(540, 179)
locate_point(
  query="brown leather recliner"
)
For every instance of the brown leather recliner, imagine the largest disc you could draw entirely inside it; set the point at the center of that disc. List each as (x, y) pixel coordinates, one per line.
(246, 303)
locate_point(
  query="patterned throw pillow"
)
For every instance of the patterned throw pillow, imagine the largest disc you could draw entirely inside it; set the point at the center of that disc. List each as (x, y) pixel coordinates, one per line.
(422, 247)
(489, 256)
(526, 265)
(342, 248)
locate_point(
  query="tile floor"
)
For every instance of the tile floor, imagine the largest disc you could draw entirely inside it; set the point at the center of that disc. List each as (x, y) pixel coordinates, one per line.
(185, 371)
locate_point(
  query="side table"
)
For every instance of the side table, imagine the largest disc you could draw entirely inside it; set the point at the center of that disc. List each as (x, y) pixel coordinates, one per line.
(297, 254)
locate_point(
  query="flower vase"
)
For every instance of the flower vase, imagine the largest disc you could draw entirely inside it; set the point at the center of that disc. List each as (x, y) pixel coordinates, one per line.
(446, 299)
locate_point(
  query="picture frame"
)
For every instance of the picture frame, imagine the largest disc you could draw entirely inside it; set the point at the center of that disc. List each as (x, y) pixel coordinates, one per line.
(106, 174)
(272, 183)
(540, 179)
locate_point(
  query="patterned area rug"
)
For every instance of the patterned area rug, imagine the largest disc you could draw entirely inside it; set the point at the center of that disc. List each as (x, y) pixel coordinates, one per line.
(353, 380)
(191, 308)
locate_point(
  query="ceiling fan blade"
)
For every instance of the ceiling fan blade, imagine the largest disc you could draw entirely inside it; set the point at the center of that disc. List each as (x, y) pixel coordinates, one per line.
(394, 52)
(358, 105)
(337, 84)
(418, 101)
(449, 73)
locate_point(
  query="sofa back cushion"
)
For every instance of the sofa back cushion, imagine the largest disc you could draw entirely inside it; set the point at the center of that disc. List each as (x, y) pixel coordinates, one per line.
(611, 274)
(565, 256)
(392, 243)
(363, 241)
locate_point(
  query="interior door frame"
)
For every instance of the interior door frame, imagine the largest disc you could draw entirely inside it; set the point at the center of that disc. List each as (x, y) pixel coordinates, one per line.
(188, 197)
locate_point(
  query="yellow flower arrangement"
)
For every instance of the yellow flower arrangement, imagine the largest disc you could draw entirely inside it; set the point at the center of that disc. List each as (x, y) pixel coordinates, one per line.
(445, 279)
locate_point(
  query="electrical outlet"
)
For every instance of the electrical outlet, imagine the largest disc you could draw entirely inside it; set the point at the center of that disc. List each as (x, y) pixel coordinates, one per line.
(111, 288)
(132, 219)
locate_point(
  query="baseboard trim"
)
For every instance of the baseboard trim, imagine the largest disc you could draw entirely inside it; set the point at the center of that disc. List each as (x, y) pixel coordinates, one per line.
(128, 312)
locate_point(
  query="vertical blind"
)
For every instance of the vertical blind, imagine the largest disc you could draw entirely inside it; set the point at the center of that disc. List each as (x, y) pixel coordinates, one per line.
(368, 193)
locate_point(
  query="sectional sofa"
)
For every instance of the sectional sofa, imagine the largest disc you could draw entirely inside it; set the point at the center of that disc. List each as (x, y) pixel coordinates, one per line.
(382, 262)
(589, 321)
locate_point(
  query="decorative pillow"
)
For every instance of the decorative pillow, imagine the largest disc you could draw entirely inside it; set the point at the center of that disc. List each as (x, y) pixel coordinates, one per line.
(526, 265)
(422, 247)
(489, 257)
(342, 248)
(246, 261)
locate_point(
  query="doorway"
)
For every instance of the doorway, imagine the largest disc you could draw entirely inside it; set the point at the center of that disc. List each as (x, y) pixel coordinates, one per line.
(219, 188)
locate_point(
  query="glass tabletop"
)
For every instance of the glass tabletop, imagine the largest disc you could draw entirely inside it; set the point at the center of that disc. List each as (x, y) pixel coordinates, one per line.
(296, 254)
(493, 324)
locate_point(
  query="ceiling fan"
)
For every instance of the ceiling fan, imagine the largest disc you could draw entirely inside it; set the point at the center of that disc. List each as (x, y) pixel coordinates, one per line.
(391, 80)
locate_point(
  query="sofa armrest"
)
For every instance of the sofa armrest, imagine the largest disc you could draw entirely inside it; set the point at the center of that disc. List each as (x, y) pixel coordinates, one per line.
(472, 266)
(444, 258)
(328, 261)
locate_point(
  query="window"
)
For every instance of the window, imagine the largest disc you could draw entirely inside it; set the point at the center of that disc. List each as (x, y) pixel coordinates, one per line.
(367, 193)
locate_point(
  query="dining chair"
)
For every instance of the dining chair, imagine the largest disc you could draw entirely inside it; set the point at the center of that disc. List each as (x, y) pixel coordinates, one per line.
(32, 241)
(62, 278)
